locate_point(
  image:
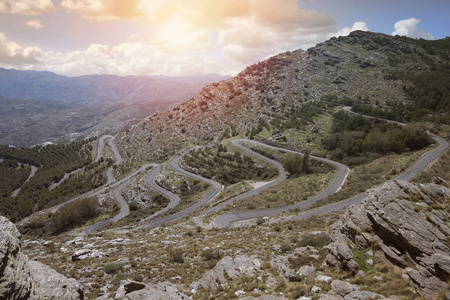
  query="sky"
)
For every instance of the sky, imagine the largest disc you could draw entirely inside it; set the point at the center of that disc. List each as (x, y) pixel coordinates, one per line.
(192, 37)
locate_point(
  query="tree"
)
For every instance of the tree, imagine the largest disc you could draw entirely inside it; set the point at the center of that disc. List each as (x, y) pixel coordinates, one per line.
(293, 163)
(305, 163)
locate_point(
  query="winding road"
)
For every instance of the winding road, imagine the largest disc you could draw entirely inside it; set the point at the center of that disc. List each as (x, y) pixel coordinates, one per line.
(101, 145)
(33, 171)
(65, 177)
(116, 194)
(216, 188)
(174, 199)
(123, 205)
(224, 221)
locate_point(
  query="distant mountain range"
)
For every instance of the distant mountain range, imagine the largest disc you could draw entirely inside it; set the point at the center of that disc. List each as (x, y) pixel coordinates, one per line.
(36, 107)
(99, 89)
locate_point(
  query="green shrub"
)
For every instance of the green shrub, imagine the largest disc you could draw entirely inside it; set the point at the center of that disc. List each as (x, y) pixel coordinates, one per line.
(134, 206)
(176, 256)
(138, 278)
(293, 163)
(118, 278)
(113, 268)
(315, 240)
(74, 214)
(286, 247)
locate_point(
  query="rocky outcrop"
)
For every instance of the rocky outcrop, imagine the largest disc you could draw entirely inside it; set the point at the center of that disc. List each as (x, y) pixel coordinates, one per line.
(341, 290)
(21, 278)
(282, 265)
(49, 284)
(131, 290)
(88, 253)
(240, 267)
(404, 224)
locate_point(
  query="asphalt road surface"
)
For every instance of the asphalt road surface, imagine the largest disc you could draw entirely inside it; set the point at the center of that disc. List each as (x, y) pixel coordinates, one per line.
(216, 188)
(123, 205)
(174, 199)
(223, 221)
(33, 171)
(101, 145)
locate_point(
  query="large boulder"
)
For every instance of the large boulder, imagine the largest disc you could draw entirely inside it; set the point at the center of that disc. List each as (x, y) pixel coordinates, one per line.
(21, 278)
(241, 266)
(131, 290)
(341, 290)
(406, 222)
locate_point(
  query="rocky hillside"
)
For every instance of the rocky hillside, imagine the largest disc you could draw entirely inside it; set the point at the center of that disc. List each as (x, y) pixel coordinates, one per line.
(394, 245)
(360, 66)
(21, 278)
(399, 223)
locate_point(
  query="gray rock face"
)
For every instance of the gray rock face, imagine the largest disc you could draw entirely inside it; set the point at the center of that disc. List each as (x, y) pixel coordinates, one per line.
(341, 290)
(241, 266)
(21, 278)
(49, 284)
(307, 271)
(15, 281)
(281, 263)
(87, 253)
(130, 290)
(405, 221)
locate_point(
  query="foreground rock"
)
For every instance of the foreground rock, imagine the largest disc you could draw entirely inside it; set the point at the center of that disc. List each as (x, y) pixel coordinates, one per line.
(241, 266)
(341, 290)
(404, 224)
(131, 290)
(88, 253)
(21, 278)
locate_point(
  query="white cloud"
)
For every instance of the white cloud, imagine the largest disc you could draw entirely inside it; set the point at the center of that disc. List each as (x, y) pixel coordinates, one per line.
(101, 10)
(13, 55)
(27, 7)
(3, 8)
(135, 58)
(356, 26)
(36, 24)
(199, 36)
(245, 31)
(410, 28)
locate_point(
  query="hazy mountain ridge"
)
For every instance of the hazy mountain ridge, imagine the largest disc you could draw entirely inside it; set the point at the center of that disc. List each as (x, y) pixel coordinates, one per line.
(97, 89)
(73, 107)
(357, 66)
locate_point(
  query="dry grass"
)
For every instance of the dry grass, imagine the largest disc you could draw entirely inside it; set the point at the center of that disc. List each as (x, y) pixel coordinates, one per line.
(146, 254)
(287, 192)
(372, 174)
(441, 168)
(386, 280)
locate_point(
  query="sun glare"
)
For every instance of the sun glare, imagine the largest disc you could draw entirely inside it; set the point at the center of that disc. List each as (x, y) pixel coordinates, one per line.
(178, 35)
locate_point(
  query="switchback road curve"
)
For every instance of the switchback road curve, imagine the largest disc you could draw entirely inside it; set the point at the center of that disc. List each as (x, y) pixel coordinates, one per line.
(101, 145)
(216, 188)
(32, 173)
(123, 205)
(225, 220)
(174, 199)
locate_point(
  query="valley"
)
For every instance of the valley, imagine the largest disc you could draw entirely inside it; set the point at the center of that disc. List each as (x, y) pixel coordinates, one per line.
(289, 180)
